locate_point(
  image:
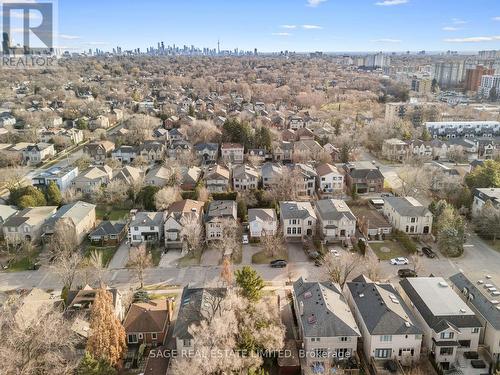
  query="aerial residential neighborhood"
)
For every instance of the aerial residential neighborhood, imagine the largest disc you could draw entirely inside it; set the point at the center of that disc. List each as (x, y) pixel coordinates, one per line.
(291, 187)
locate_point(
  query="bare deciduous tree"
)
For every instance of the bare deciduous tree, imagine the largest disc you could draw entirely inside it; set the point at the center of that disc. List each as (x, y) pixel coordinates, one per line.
(140, 259)
(338, 269)
(273, 244)
(166, 196)
(192, 233)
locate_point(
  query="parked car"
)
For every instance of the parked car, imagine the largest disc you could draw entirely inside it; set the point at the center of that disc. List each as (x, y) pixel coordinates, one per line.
(245, 239)
(399, 261)
(428, 252)
(278, 263)
(406, 272)
(314, 254)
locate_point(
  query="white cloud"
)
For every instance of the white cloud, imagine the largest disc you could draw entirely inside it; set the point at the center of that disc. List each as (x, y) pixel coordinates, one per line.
(68, 37)
(496, 18)
(387, 3)
(314, 3)
(96, 43)
(281, 34)
(474, 39)
(311, 27)
(458, 21)
(450, 28)
(289, 26)
(386, 40)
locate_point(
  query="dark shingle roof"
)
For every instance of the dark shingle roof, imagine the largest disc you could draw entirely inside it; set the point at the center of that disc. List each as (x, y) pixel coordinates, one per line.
(378, 309)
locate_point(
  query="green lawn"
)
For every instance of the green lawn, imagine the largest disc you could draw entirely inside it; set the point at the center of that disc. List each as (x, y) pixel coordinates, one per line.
(262, 258)
(106, 252)
(113, 215)
(397, 250)
(155, 255)
(493, 244)
(22, 264)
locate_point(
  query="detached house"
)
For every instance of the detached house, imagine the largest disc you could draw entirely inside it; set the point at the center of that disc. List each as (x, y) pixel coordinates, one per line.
(26, 225)
(35, 154)
(232, 153)
(217, 179)
(395, 149)
(335, 219)
(363, 177)
(450, 327)
(62, 177)
(408, 215)
(272, 174)
(92, 179)
(245, 177)
(217, 212)
(98, 151)
(298, 219)
(180, 213)
(147, 322)
(262, 222)
(152, 150)
(326, 325)
(125, 154)
(146, 227)
(330, 180)
(307, 179)
(207, 152)
(389, 328)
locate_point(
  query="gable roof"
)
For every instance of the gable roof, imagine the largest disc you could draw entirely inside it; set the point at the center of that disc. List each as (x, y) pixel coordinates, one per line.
(381, 307)
(296, 210)
(407, 206)
(106, 228)
(334, 209)
(325, 312)
(261, 214)
(147, 317)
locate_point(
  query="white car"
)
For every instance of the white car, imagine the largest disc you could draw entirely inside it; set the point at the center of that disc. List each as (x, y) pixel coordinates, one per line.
(399, 261)
(335, 252)
(244, 240)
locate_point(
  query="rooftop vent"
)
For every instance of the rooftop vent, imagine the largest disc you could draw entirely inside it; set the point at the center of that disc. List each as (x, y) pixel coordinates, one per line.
(311, 319)
(307, 295)
(443, 284)
(463, 311)
(494, 301)
(407, 324)
(488, 276)
(361, 295)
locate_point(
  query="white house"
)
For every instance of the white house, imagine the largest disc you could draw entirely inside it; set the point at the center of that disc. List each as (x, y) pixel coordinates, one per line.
(217, 179)
(262, 221)
(330, 180)
(326, 325)
(180, 213)
(336, 220)
(449, 326)
(39, 152)
(408, 215)
(232, 152)
(388, 326)
(146, 227)
(27, 224)
(298, 219)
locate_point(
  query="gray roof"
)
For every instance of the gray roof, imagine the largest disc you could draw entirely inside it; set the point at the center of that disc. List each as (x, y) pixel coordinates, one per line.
(146, 219)
(325, 310)
(208, 146)
(191, 310)
(427, 299)
(76, 211)
(479, 299)
(264, 214)
(296, 210)
(221, 209)
(334, 209)
(382, 309)
(407, 206)
(106, 228)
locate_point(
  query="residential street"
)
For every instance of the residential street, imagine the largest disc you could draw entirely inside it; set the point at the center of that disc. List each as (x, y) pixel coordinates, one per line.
(478, 260)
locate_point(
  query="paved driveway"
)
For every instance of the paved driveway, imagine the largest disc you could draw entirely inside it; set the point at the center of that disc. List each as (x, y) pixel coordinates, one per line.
(296, 252)
(121, 256)
(170, 258)
(248, 252)
(211, 257)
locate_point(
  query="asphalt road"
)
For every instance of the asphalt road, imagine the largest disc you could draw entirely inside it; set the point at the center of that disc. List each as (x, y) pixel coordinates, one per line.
(478, 260)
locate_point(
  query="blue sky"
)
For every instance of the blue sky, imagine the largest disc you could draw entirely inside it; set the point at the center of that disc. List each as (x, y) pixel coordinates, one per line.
(275, 25)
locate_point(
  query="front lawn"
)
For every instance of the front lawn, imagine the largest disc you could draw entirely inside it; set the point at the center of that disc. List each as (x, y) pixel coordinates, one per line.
(190, 260)
(388, 249)
(22, 264)
(106, 252)
(155, 255)
(262, 257)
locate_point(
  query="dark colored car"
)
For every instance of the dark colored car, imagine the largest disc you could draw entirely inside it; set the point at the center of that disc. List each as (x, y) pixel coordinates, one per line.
(406, 272)
(428, 252)
(278, 263)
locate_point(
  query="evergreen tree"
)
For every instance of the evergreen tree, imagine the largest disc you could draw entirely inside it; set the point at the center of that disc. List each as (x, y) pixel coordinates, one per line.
(107, 338)
(250, 282)
(54, 196)
(91, 366)
(488, 221)
(426, 135)
(484, 176)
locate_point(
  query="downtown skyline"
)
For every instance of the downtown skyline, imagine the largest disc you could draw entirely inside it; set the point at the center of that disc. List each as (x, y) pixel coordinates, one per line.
(273, 26)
